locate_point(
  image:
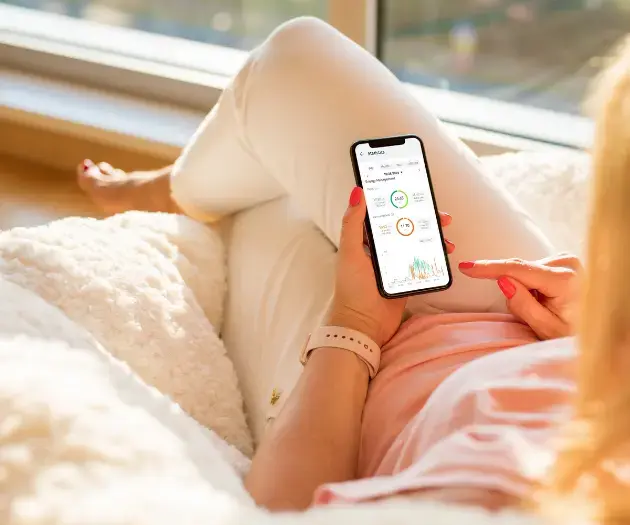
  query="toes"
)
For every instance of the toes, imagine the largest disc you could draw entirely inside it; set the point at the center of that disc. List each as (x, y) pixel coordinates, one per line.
(86, 172)
(91, 177)
(109, 173)
(83, 167)
(90, 174)
(106, 168)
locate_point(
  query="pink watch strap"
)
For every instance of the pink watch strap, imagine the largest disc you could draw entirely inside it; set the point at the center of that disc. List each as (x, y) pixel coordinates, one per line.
(345, 338)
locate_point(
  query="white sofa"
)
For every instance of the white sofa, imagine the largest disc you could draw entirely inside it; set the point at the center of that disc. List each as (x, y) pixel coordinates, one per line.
(119, 402)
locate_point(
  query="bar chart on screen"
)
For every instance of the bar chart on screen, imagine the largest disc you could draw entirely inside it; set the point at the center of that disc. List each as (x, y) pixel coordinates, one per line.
(425, 269)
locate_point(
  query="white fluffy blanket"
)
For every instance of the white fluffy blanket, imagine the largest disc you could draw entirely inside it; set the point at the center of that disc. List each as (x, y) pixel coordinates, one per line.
(94, 370)
(125, 282)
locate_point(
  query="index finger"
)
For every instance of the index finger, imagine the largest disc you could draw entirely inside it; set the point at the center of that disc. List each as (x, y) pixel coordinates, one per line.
(532, 275)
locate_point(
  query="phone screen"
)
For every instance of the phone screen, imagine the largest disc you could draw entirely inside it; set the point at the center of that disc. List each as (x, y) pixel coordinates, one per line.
(405, 231)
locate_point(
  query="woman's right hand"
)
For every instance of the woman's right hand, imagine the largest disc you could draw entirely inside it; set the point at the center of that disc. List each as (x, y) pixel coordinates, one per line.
(541, 293)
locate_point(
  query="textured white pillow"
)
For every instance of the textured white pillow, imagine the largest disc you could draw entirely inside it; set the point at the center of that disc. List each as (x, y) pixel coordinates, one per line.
(83, 440)
(128, 287)
(552, 187)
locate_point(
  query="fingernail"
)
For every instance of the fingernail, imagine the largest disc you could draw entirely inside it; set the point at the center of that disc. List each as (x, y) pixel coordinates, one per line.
(87, 164)
(466, 265)
(449, 243)
(506, 287)
(355, 196)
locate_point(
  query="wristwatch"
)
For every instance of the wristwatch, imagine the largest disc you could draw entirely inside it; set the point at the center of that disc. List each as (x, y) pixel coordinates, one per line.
(346, 339)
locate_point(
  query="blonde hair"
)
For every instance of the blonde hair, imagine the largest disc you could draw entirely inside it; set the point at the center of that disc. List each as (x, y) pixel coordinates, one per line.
(600, 433)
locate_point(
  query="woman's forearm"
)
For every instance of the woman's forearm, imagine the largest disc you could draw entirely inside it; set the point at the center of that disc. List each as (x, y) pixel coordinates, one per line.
(315, 439)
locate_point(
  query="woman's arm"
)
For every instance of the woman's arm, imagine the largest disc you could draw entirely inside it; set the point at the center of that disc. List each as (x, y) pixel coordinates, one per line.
(315, 439)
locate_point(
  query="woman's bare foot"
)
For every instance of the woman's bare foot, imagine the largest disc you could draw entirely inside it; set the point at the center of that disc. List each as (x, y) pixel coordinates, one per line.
(116, 191)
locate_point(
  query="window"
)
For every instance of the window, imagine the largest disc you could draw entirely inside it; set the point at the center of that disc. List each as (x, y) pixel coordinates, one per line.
(516, 68)
(540, 53)
(234, 23)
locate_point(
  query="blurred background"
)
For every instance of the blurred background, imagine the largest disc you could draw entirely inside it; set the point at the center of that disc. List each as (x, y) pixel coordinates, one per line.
(538, 52)
(106, 80)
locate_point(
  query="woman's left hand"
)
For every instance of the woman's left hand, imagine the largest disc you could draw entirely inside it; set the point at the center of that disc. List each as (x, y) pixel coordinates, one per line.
(357, 303)
(541, 293)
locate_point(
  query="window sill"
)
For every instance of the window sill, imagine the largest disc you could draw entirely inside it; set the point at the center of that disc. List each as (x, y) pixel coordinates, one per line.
(151, 127)
(155, 128)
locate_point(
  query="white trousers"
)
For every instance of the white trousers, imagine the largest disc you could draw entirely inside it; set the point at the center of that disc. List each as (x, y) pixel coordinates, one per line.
(284, 128)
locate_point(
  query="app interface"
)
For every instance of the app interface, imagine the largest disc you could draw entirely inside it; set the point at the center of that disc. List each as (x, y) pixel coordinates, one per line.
(404, 223)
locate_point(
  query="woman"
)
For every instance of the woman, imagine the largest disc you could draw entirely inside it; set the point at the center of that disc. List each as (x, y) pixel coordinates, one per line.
(469, 398)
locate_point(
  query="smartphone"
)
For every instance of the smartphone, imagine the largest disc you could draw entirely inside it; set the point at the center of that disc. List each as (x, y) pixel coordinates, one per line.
(402, 222)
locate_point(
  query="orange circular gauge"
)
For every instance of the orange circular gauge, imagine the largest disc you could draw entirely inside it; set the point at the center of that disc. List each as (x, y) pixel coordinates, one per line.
(405, 227)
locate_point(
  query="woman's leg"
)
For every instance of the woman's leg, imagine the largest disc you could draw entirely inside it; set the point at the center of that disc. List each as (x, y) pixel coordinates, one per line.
(280, 280)
(286, 124)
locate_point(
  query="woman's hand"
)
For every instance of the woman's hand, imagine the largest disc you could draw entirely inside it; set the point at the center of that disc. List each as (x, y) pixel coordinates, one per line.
(357, 303)
(541, 293)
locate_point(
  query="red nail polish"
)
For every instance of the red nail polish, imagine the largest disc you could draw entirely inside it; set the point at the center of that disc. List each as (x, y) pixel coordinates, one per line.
(87, 164)
(506, 287)
(449, 243)
(355, 196)
(466, 265)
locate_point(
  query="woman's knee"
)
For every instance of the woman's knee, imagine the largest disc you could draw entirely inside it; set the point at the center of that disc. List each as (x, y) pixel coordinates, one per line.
(301, 32)
(302, 40)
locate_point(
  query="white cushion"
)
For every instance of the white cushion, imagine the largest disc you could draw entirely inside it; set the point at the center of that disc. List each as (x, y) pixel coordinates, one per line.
(127, 286)
(83, 440)
(552, 187)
